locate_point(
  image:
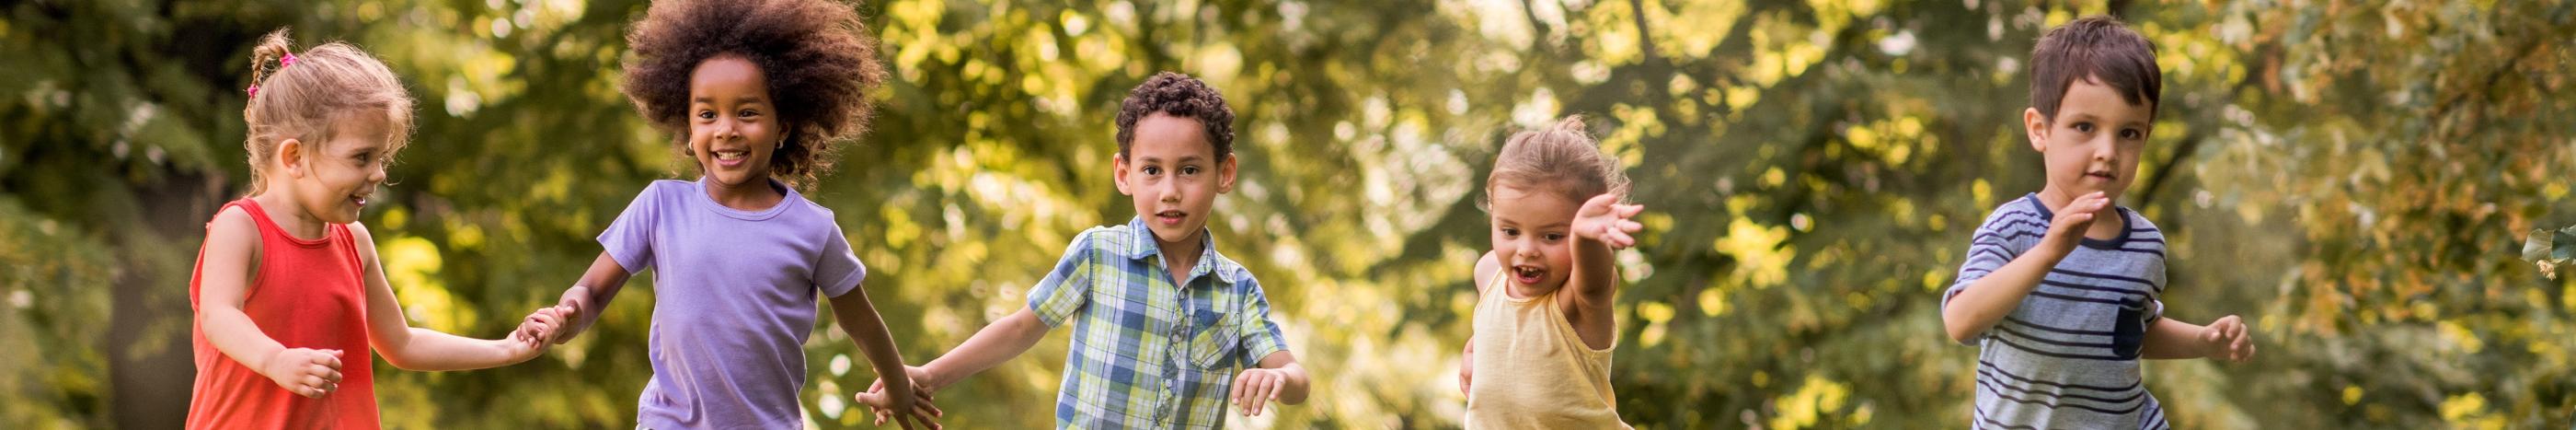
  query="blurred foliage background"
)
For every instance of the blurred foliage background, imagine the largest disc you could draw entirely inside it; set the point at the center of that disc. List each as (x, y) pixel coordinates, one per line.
(2357, 178)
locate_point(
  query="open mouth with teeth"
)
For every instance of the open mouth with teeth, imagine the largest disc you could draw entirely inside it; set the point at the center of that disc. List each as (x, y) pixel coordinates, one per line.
(1171, 218)
(1528, 275)
(731, 158)
(358, 200)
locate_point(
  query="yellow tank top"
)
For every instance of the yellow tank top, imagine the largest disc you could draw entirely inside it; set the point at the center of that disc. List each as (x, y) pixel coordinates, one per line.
(1532, 371)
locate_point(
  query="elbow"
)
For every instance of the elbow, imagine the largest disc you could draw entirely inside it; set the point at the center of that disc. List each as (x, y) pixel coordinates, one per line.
(1959, 331)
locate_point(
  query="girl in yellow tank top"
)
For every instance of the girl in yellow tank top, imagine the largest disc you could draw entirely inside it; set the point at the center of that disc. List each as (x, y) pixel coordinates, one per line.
(1544, 326)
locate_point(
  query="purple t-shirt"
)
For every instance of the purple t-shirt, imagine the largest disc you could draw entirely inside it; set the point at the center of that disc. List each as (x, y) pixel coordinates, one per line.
(733, 301)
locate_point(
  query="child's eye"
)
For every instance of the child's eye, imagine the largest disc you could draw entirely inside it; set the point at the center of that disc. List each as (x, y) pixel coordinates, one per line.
(1511, 232)
(2084, 127)
(2131, 133)
(1153, 170)
(1552, 237)
(1190, 170)
(747, 113)
(707, 114)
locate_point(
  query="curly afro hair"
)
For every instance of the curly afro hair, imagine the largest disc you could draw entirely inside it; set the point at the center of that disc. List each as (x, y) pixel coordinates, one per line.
(819, 60)
(1181, 96)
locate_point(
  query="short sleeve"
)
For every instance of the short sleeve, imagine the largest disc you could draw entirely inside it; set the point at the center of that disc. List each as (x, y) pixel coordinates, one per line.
(629, 239)
(1261, 337)
(1067, 288)
(838, 271)
(2004, 236)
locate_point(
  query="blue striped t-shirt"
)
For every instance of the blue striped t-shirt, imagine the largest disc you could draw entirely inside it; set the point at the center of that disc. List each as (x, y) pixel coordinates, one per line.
(2068, 356)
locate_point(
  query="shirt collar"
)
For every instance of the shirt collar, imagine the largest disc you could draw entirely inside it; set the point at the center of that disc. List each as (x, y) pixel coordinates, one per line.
(1142, 244)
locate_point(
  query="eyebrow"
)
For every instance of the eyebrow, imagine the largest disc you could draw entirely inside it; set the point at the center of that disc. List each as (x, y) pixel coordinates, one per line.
(743, 99)
(1184, 159)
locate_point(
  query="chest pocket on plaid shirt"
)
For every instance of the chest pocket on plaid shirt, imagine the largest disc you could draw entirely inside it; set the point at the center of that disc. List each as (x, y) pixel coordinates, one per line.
(1214, 346)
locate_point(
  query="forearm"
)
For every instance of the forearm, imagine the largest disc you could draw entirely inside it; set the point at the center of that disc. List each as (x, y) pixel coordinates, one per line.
(866, 328)
(996, 343)
(1595, 268)
(428, 350)
(1988, 299)
(237, 336)
(2171, 339)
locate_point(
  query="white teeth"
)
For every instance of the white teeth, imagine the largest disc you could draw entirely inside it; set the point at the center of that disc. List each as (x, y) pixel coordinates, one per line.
(730, 155)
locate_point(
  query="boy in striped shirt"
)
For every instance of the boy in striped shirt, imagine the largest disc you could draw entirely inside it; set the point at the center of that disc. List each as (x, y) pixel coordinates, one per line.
(2061, 289)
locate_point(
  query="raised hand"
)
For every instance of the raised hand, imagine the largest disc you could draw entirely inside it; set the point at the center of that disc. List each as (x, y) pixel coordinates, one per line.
(1605, 220)
(2071, 222)
(303, 371)
(2227, 339)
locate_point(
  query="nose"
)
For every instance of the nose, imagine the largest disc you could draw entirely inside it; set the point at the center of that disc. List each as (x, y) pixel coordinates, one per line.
(1171, 190)
(2104, 147)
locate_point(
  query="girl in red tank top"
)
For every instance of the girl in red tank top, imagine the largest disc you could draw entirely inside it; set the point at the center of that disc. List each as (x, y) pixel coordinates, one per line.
(289, 297)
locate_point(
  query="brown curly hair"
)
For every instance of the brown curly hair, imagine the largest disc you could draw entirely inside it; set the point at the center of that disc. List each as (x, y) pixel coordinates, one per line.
(1180, 96)
(819, 60)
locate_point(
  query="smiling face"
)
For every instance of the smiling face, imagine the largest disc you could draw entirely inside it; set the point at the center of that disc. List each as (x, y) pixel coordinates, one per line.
(1533, 237)
(332, 181)
(2094, 142)
(733, 124)
(1174, 176)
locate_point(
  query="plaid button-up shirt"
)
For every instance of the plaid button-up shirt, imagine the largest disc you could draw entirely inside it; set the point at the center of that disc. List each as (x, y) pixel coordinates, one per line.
(1149, 353)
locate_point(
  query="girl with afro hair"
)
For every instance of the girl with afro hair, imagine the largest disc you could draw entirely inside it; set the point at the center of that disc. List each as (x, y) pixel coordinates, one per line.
(757, 94)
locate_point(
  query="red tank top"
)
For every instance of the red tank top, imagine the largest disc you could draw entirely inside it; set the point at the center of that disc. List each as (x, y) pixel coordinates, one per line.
(306, 294)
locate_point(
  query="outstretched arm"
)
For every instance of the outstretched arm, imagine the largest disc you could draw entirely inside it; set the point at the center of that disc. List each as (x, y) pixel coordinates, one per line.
(1601, 226)
(581, 304)
(415, 348)
(2225, 339)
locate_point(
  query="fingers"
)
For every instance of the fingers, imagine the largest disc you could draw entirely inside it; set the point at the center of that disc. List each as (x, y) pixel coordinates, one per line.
(1271, 394)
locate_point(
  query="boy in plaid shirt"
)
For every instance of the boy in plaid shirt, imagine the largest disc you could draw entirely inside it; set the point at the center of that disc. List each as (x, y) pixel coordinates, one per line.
(1166, 330)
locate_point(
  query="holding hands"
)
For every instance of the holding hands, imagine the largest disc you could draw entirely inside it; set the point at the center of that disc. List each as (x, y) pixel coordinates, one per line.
(918, 410)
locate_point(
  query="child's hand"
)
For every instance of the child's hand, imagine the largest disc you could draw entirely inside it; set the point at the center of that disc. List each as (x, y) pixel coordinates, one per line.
(1255, 388)
(572, 308)
(531, 338)
(2228, 340)
(306, 372)
(883, 405)
(2074, 219)
(1605, 220)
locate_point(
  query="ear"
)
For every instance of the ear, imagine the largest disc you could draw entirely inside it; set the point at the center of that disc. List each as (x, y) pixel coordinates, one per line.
(1225, 175)
(290, 152)
(1119, 175)
(2036, 126)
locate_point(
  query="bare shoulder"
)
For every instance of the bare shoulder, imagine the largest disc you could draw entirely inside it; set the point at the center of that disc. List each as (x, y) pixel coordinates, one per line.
(232, 230)
(1485, 268)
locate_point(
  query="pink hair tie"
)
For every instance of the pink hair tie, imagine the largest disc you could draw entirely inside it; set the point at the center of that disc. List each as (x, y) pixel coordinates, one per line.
(282, 62)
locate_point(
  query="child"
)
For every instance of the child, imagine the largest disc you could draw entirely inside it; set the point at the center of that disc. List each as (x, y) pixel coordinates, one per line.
(288, 280)
(1162, 322)
(1544, 314)
(2063, 305)
(760, 93)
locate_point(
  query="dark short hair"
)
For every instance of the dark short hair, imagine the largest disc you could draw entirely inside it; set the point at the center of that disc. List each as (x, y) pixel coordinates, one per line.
(2098, 47)
(818, 60)
(1180, 96)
